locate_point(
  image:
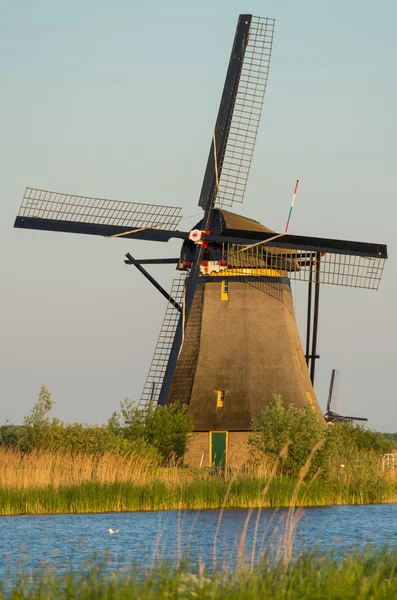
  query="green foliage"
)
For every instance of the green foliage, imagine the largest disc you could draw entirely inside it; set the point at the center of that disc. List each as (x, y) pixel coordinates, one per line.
(165, 428)
(392, 437)
(37, 425)
(38, 415)
(10, 435)
(359, 575)
(348, 444)
(365, 439)
(278, 425)
(79, 438)
(350, 454)
(159, 433)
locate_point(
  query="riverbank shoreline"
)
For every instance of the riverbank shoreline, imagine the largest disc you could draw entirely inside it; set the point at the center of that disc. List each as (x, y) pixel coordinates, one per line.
(241, 493)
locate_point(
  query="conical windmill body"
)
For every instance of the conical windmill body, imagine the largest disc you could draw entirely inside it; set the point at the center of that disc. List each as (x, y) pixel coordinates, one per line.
(229, 339)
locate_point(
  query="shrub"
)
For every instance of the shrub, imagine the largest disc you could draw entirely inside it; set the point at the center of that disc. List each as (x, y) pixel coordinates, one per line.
(277, 425)
(10, 435)
(78, 438)
(39, 432)
(350, 452)
(165, 428)
(159, 433)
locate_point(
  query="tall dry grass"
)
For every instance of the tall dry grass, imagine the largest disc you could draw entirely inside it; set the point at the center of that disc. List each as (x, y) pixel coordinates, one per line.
(42, 468)
(53, 482)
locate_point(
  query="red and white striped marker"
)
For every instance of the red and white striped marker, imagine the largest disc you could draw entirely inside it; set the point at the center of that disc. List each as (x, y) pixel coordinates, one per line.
(292, 205)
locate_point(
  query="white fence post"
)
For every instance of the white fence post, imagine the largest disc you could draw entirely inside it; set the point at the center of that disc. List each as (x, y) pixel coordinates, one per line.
(389, 461)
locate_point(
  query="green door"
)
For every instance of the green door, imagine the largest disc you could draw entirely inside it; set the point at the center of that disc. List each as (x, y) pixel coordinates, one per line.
(218, 448)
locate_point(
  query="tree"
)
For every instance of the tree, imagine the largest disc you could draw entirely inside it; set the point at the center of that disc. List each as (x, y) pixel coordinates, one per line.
(36, 429)
(166, 428)
(38, 415)
(277, 425)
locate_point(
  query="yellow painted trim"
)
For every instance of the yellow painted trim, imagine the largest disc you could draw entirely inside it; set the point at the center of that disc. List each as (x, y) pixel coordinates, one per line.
(243, 271)
(309, 396)
(224, 294)
(227, 445)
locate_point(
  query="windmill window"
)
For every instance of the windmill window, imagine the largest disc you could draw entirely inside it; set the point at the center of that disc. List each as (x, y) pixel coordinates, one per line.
(220, 398)
(225, 290)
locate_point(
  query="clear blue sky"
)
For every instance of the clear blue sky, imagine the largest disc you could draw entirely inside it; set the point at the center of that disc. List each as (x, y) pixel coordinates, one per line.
(118, 99)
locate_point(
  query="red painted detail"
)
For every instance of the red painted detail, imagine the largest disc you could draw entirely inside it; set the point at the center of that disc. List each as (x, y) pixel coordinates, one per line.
(196, 236)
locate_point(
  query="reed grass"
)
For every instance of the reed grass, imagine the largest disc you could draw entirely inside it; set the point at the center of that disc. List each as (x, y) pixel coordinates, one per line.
(42, 468)
(123, 496)
(361, 575)
(45, 482)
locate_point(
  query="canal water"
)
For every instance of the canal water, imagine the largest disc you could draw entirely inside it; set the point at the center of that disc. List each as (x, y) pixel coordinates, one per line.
(67, 541)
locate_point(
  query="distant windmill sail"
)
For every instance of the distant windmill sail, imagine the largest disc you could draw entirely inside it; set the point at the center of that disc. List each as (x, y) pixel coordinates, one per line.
(331, 416)
(333, 388)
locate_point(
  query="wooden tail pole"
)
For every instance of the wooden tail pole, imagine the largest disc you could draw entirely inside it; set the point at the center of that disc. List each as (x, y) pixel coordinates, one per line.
(315, 316)
(309, 313)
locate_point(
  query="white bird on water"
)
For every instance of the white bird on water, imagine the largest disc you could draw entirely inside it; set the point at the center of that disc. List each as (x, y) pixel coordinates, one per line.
(113, 530)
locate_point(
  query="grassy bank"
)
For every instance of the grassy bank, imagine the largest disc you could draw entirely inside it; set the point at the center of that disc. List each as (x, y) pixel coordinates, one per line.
(370, 574)
(201, 494)
(51, 482)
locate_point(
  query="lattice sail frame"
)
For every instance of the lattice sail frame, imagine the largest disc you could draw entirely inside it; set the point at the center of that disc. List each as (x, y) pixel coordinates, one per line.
(43, 204)
(246, 113)
(348, 270)
(154, 379)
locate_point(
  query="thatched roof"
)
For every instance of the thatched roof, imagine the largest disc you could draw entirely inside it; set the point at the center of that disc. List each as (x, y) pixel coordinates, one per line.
(233, 221)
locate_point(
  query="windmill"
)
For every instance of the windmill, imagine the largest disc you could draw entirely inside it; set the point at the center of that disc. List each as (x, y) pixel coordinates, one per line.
(229, 339)
(330, 415)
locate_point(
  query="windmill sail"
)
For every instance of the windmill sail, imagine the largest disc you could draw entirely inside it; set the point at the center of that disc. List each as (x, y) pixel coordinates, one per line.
(239, 113)
(154, 380)
(246, 113)
(42, 209)
(337, 267)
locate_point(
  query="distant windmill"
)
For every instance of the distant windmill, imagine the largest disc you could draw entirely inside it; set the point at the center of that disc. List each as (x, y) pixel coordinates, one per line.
(330, 415)
(229, 339)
